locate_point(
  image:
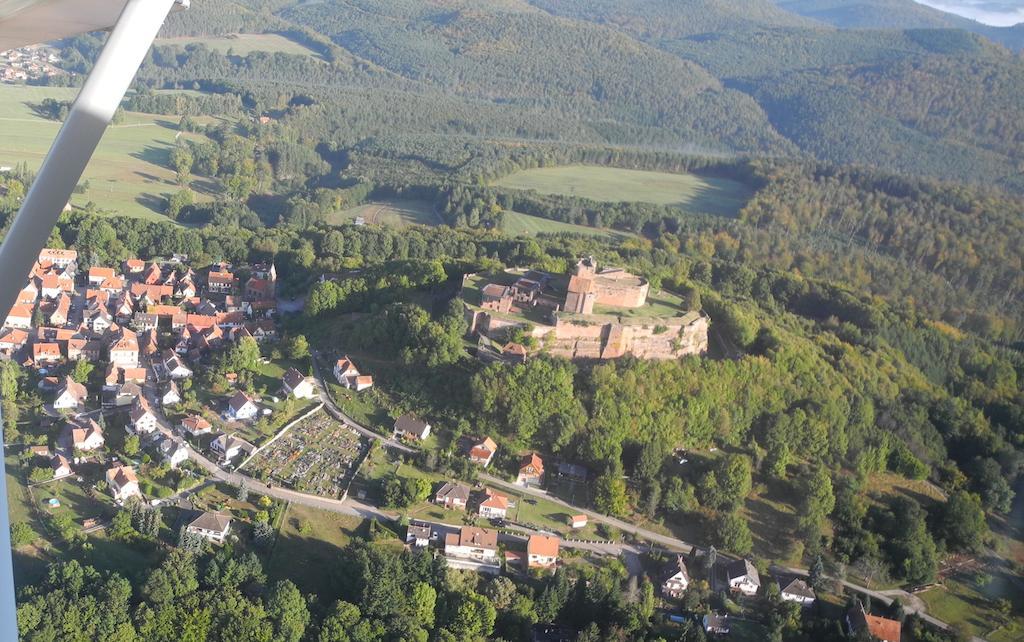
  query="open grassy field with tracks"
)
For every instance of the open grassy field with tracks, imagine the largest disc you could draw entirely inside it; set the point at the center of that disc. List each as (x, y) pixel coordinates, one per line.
(518, 224)
(403, 213)
(129, 173)
(243, 44)
(391, 212)
(689, 192)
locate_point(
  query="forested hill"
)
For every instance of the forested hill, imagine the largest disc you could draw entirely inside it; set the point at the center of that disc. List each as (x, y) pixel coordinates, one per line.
(510, 52)
(696, 75)
(939, 115)
(897, 14)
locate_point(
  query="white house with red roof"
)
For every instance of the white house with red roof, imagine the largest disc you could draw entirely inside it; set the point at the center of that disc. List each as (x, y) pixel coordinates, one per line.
(482, 452)
(20, 316)
(123, 483)
(71, 395)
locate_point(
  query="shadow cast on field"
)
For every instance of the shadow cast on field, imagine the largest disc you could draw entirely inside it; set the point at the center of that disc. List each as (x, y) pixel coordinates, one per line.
(717, 198)
(150, 178)
(767, 526)
(920, 498)
(153, 202)
(558, 518)
(205, 186)
(156, 155)
(310, 562)
(29, 569)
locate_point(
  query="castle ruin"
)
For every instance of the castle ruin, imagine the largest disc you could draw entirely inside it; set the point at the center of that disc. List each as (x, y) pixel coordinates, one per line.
(573, 330)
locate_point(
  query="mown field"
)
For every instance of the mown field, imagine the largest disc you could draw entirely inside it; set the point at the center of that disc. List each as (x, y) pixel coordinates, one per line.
(403, 213)
(128, 175)
(610, 184)
(243, 44)
(518, 224)
(393, 213)
(308, 545)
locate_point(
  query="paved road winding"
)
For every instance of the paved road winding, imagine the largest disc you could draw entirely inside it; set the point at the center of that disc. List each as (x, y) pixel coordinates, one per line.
(629, 552)
(339, 414)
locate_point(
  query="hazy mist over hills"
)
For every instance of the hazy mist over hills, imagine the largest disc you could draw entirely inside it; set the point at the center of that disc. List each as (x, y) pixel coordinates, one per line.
(997, 13)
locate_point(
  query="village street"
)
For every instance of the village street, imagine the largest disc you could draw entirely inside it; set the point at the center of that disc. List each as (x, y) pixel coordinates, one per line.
(630, 553)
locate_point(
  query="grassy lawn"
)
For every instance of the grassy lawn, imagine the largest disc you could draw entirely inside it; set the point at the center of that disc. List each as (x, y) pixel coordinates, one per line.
(223, 497)
(660, 303)
(29, 561)
(307, 557)
(746, 631)
(74, 498)
(243, 44)
(687, 191)
(128, 174)
(518, 224)
(771, 515)
(132, 561)
(547, 515)
(19, 505)
(891, 484)
(393, 213)
(270, 373)
(367, 407)
(959, 600)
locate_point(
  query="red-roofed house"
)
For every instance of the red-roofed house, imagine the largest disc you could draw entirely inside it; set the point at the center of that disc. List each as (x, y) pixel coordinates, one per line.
(542, 551)
(46, 353)
(20, 316)
(483, 451)
(879, 628)
(343, 369)
(60, 258)
(98, 275)
(494, 506)
(123, 483)
(59, 316)
(12, 339)
(71, 395)
(196, 425)
(142, 417)
(61, 466)
(82, 435)
(50, 286)
(220, 282)
(531, 470)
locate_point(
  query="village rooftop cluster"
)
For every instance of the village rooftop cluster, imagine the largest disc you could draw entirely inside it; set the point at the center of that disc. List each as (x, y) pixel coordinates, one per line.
(147, 326)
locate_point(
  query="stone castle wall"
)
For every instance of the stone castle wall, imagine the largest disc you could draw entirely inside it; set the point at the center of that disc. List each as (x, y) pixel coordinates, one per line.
(620, 293)
(669, 338)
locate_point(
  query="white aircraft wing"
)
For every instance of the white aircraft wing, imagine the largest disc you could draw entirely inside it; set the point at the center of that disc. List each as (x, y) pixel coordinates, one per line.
(29, 22)
(134, 25)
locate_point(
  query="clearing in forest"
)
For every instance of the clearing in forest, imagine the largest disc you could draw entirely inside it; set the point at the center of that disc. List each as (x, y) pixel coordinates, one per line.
(243, 44)
(393, 213)
(690, 192)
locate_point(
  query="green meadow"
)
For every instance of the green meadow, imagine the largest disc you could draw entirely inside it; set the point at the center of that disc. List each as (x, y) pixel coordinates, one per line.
(129, 173)
(690, 192)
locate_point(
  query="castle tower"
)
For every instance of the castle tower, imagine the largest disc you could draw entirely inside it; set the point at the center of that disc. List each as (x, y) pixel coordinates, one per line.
(580, 297)
(586, 267)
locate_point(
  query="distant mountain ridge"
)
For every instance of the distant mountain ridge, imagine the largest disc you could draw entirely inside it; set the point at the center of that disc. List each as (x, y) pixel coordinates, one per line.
(725, 76)
(897, 14)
